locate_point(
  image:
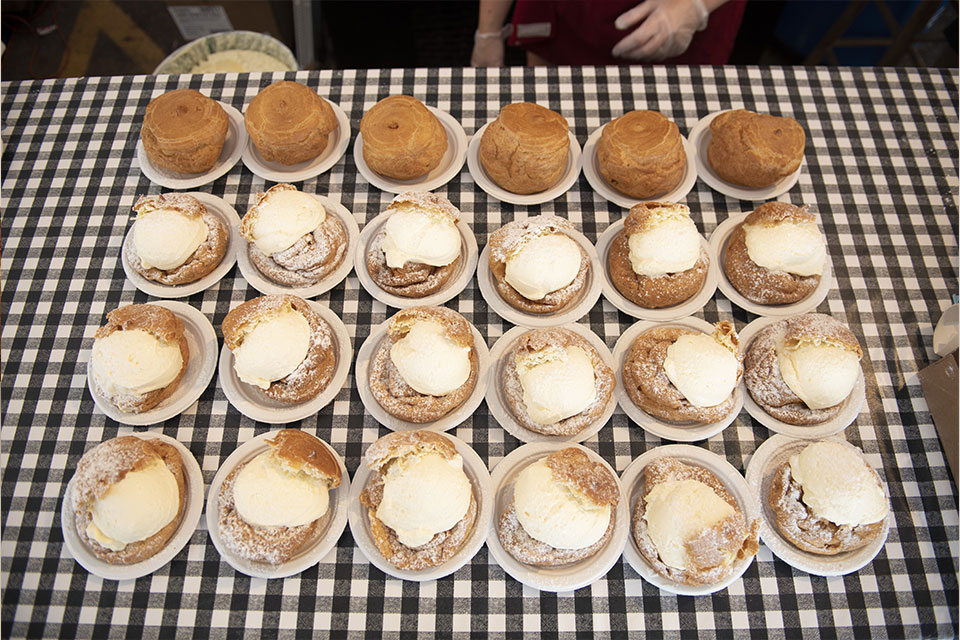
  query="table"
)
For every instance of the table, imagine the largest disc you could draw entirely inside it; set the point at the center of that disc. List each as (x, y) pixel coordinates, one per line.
(881, 171)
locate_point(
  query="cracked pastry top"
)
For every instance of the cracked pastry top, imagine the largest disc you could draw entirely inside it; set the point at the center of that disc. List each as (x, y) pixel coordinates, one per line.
(402, 139)
(641, 154)
(184, 131)
(289, 123)
(525, 149)
(754, 149)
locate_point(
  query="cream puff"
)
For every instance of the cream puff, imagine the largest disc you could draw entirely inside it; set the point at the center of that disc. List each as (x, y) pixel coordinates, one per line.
(419, 247)
(426, 365)
(184, 131)
(139, 357)
(754, 149)
(641, 154)
(802, 369)
(420, 504)
(281, 346)
(563, 510)
(402, 139)
(525, 149)
(128, 498)
(538, 267)
(270, 506)
(658, 259)
(289, 123)
(292, 238)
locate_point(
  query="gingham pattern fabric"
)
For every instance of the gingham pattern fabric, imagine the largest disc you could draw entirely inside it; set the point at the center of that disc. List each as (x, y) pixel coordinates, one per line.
(880, 169)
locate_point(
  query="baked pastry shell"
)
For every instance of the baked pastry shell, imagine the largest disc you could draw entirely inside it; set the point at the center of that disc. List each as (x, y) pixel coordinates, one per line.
(256, 405)
(467, 266)
(603, 188)
(700, 139)
(633, 482)
(768, 457)
(617, 299)
(651, 424)
(192, 509)
(266, 286)
(332, 523)
(576, 309)
(567, 179)
(337, 142)
(849, 410)
(497, 402)
(202, 344)
(233, 146)
(450, 164)
(456, 417)
(229, 216)
(718, 243)
(569, 577)
(475, 470)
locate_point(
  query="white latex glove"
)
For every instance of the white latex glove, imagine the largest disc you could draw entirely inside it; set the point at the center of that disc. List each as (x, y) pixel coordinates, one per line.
(487, 51)
(664, 28)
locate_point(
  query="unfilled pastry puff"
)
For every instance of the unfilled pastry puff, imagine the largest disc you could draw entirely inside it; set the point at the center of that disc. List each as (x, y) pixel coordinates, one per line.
(270, 506)
(402, 139)
(289, 123)
(281, 346)
(525, 149)
(426, 365)
(176, 239)
(292, 238)
(420, 504)
(128, 498)
(641, 154)
(688, 526)
(419, 247)
(184, 131)
(754, 149)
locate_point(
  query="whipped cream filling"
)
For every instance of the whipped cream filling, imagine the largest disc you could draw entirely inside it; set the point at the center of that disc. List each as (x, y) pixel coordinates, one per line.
(134, 362)
(166, 238)
(838, 485)
(788, 246)
(554, 512)
(273, 348)
(678, 511)
(702, 369)
(544, 264)
(424, 495)
(283, 218)
(822, 375)
(267, 495)
(670, 246)
(557, 383)
(135, 508)
(417, 236)
(239, 61)
(429, 361)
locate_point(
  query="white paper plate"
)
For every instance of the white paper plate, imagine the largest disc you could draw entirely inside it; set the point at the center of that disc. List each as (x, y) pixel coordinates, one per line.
(450, 164)
(337, 144)
(577, 308)
(654, 425)
(500, 408)
(451, 289)
(359, 519)
(267, 286)
(331, 526)
(445, 423)
(765, 461)
(602, 187)
(253, 403)
(632, 481)
(226, 213)
(718, 242)
(193, 498)
(848, 412)
(233, 147)
(566, 180)
(700, 139)
(202, 344)
(570, 577)
(617, 299)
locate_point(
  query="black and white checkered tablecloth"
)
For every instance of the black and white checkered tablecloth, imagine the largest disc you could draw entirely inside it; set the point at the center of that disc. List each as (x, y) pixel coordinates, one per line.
(881, 171)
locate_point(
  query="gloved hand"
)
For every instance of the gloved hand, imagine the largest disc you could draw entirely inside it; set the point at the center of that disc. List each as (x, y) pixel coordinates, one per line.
(487, 50)
(665, 29)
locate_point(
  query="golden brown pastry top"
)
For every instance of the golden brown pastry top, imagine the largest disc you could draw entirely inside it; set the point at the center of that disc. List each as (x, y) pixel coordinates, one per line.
(819, 328)
(511, 237)
(455, 326)
(404, 126)
(300, 451)
(153, 319)
(534, 125)
(773, 213)
(174, 118)
(181, 202)
(643, 136)
(572, 467)
(402, 443)
(646, 215)
(755, 149)
(432, 203)
(288, 111)
(107, 464)
(235, 323)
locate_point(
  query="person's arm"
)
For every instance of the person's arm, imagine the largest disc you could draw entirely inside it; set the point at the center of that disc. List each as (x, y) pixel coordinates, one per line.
(662, 28)
(488, 40)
